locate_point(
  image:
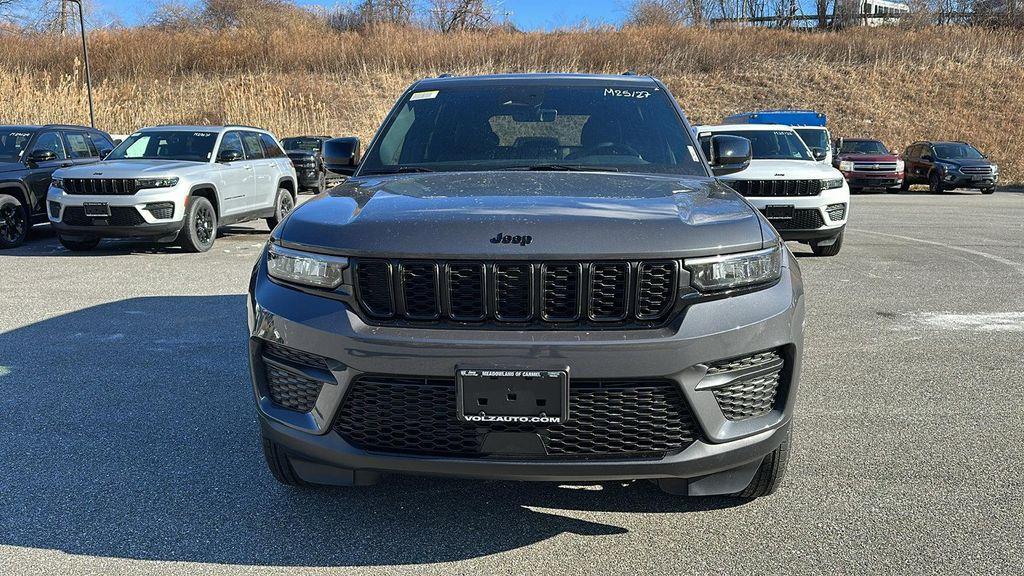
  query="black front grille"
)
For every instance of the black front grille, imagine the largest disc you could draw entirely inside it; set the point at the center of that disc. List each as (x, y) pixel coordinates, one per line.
(517, 293)
(753, 394)
(119, 216)
(803, 219)
(625, 419)
(773, 188)
(101, 186)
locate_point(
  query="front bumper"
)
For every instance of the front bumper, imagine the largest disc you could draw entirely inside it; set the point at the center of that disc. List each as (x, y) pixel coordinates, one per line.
(873, 180)
(307, 177)
(144, 223)
(707, 331)
(958, 180)
(823, 226)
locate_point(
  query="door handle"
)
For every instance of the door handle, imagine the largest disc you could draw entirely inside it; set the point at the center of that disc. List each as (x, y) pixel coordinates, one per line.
(65, 164)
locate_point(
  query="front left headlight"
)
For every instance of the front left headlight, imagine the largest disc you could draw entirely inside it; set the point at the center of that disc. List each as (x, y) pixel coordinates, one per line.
(317, 270)
(846, 166)
(832, 183)
(731, 271)
(157, 182)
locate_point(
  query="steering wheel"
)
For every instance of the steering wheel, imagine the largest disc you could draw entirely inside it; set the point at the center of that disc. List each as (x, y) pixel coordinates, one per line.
(606, 149)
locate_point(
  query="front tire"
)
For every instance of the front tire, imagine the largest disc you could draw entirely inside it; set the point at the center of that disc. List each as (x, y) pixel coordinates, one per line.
(935, 183)
(14, 222)
(79, 245)
(284, 204)
(905, 184)
(200, 228)
(769, 475)
(279, 466)
(830, 250)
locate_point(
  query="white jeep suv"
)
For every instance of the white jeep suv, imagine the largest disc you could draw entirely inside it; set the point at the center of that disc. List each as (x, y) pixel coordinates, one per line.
(805, 200)
(174, 183)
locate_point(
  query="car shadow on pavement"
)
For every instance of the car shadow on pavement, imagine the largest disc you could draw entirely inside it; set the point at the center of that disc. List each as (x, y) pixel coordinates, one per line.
(128, 431)
(42, 241)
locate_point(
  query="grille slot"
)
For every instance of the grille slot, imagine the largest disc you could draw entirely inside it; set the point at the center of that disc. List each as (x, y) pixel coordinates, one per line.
(517, 293)
(774, 188)
(419, 290)
(626, 419)
(466, 291)
(753, 395)
(803, 219)
(561, 292)
(374, 285)
(656, 286)
(119, 216)
(291, 390)
(609, 291)
(101, 186)
(513, 287)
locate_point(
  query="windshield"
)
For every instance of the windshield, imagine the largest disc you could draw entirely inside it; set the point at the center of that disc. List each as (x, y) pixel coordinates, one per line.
(307, 144)
(863, 147)
(13, 143)
(958, 150)
(767, 144)
(813, 137)
(470, 128)
(166, 145)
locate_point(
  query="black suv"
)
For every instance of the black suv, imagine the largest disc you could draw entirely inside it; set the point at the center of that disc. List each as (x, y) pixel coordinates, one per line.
(28, 157)
(306, 153)
(947, 166)
(532, 277)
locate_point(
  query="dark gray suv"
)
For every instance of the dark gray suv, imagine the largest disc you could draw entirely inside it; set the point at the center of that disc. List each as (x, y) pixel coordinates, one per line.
(530, 277)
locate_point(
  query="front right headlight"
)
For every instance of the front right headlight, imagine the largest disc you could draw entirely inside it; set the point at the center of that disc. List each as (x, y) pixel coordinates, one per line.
(731, 271)
(317, 270)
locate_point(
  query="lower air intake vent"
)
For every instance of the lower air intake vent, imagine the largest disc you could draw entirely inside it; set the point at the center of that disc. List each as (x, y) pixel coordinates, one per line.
(608, 419)
(290, 390)
(754, 391)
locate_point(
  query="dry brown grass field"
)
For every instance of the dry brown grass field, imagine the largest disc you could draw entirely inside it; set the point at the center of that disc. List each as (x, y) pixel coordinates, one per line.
(898, 85)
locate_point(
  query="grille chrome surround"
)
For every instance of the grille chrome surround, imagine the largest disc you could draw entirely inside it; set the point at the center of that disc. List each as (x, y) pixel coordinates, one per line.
(874, 166)
(608, 419)
(775, 188)
(101, 186)
(556, 293)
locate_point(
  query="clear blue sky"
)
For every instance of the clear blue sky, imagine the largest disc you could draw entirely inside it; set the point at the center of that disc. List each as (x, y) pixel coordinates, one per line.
(526, 14)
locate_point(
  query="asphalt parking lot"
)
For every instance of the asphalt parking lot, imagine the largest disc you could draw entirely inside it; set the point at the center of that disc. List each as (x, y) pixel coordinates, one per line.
(128, 439)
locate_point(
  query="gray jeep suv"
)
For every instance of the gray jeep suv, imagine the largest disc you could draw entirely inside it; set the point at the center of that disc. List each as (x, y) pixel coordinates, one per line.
(530, 277)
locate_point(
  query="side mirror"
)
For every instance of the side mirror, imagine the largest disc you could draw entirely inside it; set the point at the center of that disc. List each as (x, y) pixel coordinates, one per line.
(226, 156)
(341, 155)
(729, 154)
(41, 155)
(927, 157)
(819, 154)
(105, 152)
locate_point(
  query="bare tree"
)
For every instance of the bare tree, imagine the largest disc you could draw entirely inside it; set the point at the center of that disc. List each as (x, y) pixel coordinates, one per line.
(174, 14)
(455, 15)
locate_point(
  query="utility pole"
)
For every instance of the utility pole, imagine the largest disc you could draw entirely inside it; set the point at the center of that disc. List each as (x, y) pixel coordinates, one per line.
(85, 52)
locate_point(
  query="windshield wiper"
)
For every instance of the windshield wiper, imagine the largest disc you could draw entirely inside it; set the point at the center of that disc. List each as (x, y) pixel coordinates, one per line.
(564, 168)
(400, 170)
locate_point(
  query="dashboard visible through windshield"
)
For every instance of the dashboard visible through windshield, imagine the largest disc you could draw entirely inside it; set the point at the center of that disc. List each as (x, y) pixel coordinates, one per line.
(540, 127)
(194, 146)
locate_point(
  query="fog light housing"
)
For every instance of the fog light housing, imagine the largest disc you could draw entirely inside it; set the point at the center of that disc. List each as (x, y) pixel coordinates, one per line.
(836, 211)
(55, 210)
(161, 210)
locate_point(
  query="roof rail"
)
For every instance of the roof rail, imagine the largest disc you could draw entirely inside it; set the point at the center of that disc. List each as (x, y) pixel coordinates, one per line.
(629, 73)
(445, 75)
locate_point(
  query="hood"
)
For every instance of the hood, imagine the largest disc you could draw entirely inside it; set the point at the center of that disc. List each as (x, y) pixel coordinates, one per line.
(11, 166)
(868, 157)
(785, 170)
(966, 161)
(130, 169)
(565, 215)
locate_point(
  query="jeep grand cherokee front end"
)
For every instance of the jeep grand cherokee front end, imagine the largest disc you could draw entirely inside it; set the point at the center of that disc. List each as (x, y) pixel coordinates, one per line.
(650, 328)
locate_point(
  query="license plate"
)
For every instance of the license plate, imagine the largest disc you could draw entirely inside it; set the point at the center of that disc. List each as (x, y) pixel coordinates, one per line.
(513, 396)
(778, 212)
(981, 178)
(97, 209)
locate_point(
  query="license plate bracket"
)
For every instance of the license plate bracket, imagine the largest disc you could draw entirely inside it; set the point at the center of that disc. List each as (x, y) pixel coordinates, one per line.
(513, 396)
(778, 212)
(96, 209)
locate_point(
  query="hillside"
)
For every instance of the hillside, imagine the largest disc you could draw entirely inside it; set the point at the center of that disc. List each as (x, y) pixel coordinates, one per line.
(895, 84)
